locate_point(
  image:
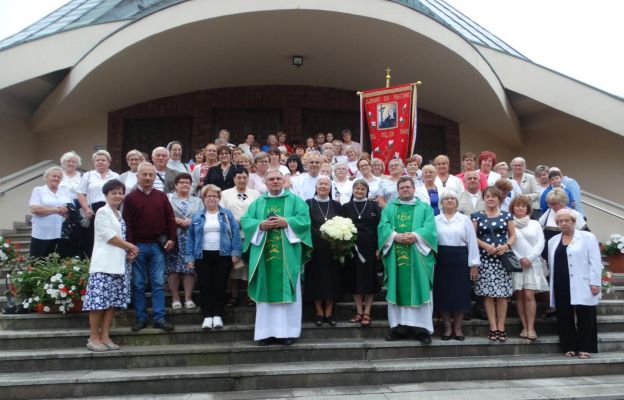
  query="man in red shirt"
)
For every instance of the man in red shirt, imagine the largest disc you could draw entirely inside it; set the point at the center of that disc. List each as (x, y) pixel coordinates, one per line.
(150, 225)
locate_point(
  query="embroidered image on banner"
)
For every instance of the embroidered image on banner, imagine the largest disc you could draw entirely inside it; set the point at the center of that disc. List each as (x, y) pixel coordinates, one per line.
(390, 121)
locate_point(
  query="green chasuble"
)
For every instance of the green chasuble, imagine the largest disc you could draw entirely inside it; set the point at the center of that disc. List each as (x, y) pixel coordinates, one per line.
(275, 264)
(408, 274)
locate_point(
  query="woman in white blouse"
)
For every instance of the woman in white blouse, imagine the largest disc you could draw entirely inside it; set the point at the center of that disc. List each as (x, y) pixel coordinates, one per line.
(175, 157)
(341, 185)
(528, 247)
(457, 263)
(48, 203)
(90, 194)
(366, 171)
(444, 179)
(256, 180)
(70, 162)
(129, 178)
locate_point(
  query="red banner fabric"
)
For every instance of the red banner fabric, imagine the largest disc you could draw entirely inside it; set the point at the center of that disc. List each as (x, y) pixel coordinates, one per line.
(390, 119)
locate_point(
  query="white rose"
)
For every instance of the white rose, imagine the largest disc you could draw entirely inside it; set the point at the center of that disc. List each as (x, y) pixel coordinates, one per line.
(46, 309)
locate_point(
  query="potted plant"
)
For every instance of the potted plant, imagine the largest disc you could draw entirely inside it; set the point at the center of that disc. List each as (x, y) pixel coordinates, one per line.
(9, 256)
(51, 284)
(614, 252)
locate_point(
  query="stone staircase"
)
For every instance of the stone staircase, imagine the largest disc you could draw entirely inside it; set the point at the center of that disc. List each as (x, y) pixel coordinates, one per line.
(44, 356)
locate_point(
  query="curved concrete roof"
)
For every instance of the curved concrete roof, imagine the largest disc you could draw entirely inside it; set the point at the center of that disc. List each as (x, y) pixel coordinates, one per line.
(175, 46)
(81, 13)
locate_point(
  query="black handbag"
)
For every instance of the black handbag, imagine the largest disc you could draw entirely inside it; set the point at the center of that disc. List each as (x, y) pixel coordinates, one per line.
(510, 262)
(508, 259)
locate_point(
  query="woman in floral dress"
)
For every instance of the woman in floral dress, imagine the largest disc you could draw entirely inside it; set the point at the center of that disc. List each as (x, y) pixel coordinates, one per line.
(495, 235)
(184, 206)
(109, 272)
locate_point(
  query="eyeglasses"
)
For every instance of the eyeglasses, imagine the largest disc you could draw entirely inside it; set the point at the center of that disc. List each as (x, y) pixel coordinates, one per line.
(314, 162)
(242, 196)
(211, 196)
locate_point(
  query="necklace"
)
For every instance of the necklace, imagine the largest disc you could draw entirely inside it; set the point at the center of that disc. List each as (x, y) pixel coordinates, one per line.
(324, 214)
(359, 214)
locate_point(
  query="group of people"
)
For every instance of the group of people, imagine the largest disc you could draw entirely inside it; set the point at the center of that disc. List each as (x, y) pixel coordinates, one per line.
(252, 213)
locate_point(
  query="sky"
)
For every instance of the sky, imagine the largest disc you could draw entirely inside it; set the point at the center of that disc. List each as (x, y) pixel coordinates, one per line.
(577, 38)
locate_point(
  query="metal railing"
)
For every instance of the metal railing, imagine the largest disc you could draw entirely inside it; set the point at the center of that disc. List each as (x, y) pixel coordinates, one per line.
(22, 177)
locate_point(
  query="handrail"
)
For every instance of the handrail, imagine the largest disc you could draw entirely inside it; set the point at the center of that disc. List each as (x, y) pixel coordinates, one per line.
(611, 213)
(25, 171)
(4, 192)
(602, 199)
(22, 174)
(595, 197)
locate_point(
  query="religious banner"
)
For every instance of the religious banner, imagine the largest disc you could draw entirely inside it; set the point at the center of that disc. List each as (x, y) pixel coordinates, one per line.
(389, 116)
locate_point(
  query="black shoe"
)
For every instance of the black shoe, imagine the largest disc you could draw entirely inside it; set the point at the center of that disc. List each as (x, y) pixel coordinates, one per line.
(446, 337)
(288, 341)
(266, 341)
(461, 338)
(319, 320)
(330, 320)
(164, 325)
(424, 337)
(394, 335)
(138, 326)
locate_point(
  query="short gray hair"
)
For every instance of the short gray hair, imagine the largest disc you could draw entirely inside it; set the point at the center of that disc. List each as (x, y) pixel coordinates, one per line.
(448, 194)
(101, 153)
(69, 155)
(145, 164)
(51, 169)
(210, 188)
(160, 149)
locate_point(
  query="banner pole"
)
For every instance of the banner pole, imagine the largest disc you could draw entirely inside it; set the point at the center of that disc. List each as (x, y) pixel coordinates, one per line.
(362, 113)
(414, 116)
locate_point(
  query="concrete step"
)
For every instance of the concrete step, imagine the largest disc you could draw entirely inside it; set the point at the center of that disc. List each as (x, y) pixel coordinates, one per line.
(601, 387)
(185, 379)
(190, 334)
(307, 350)
(343, 311)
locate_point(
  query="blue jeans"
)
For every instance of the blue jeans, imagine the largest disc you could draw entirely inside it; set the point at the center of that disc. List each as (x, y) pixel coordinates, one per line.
(150, 263)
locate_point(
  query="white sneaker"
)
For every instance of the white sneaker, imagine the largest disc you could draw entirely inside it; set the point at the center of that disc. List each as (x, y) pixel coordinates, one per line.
(207, 324)
(217, 323)
(189, 305)
(176, 305)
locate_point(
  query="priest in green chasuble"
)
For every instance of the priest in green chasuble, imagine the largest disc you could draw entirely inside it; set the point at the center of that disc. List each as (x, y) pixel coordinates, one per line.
(408, 244)
(277, 236)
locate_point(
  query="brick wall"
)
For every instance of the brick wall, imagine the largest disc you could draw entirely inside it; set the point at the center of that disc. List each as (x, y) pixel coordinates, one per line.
(298, 110)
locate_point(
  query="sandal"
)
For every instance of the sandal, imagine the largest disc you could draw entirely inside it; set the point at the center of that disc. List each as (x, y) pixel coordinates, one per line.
(523, 334)
(583, 355)
(356, 319)
(366, 320)
(493, 336)
(232, 303)
(502, 336)
(569, 354)
(532, 335)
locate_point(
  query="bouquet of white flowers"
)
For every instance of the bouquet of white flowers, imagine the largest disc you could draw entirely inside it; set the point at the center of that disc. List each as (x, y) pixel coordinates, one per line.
(341, 235)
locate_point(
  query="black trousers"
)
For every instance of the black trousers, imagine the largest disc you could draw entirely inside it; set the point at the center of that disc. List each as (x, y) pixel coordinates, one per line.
(579, 335)
(42, 248)
(213, 271)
